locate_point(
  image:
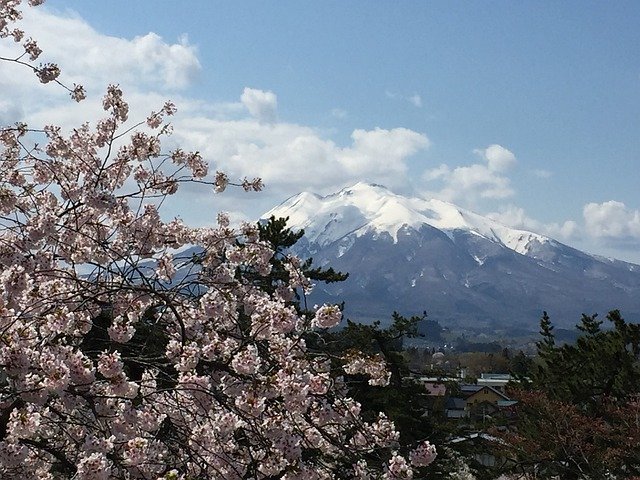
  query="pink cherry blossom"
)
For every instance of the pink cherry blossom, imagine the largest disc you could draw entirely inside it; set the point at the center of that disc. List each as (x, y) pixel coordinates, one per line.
(124, 358)
(423, 455)
(327, 316)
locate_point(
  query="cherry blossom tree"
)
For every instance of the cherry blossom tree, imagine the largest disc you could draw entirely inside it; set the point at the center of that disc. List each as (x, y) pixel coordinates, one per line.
(123, 353)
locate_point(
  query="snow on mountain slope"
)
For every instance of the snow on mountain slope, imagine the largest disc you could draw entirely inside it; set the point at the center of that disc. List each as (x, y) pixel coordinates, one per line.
(364, 208)
(415, 254)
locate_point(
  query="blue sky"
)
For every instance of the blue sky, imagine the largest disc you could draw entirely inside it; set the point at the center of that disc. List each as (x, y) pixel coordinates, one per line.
(526, 111)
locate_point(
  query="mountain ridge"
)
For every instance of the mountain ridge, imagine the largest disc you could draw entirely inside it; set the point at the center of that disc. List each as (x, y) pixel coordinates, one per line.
(450, 216)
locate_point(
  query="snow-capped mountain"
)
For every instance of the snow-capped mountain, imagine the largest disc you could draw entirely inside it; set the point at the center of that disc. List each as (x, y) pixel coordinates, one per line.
(365, 207)
(414, 254)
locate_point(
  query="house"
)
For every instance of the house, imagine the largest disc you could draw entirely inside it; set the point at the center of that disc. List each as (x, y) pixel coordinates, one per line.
(496, 380)
(478, 401)
(435, 394)
(455, 407)
(476, 394)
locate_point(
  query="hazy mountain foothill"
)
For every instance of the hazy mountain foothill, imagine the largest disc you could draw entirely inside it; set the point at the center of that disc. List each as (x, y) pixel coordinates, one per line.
(465, 270)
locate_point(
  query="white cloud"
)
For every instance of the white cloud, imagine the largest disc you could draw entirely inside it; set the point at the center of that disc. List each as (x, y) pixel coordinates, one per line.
(262, 105)
(441, 172)
(611, 219)
(609, 228)
(468, 184)
(292, 157)
(285, 155)
(94, 59)
(606, 224)
(148, 69)
(497, 157)
(383, 149)
(516, 217)
(567, 230)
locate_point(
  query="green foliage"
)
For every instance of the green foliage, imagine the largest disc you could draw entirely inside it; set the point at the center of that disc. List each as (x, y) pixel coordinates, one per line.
(577, 414)
(520, 365)
(548, 343)
(602, 364)
(372, 340)
(281, 238)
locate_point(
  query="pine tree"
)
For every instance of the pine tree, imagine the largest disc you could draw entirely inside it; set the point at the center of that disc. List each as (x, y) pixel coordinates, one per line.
(577, 416)
(281, 238)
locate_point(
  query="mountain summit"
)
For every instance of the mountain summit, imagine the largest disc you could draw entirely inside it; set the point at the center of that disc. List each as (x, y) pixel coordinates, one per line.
(368, 207)
(414, 254)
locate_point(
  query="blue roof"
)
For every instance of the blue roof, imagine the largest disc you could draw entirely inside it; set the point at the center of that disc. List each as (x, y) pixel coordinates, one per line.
(455, 403)
(470, 387)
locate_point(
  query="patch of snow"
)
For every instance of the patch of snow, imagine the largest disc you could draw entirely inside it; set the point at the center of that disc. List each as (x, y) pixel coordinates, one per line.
(345, 245)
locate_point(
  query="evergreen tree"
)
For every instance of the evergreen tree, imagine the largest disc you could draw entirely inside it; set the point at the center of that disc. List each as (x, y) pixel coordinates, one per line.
(602, 364)
(281, 238)
(577, 415)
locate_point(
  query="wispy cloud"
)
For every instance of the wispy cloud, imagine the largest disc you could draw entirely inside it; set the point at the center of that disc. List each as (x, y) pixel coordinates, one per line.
(339, 113)
(415, 99)
(542, 173)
